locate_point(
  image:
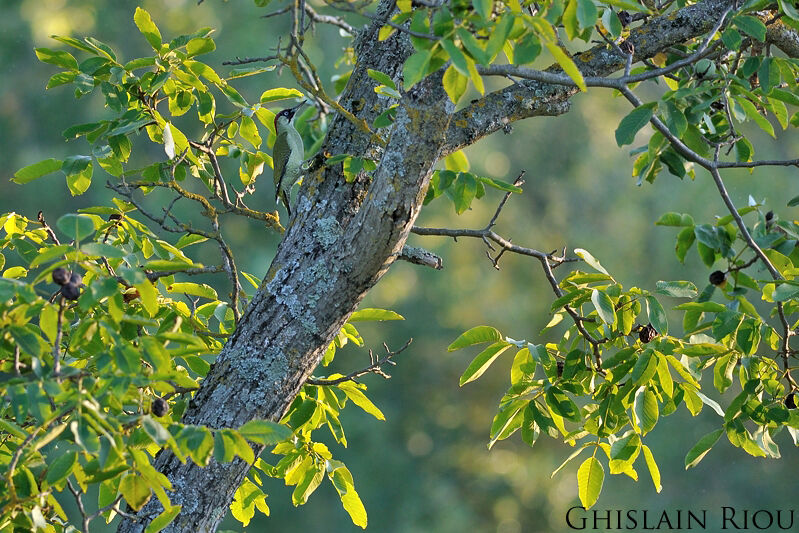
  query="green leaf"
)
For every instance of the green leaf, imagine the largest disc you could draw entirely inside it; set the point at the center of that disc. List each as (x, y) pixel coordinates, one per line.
(476, 335)
(164, 519)
(463, 191)
(567, 65)
(562, 405)
(360, 399)
(754, 114)
(586, 256)
(654, 472)
(58, 58)
(677, 289)
(249, 131)
(700, 449)
(61, 467)
(590, 477)
(279, 93)
(456, 55)
(373, 314)
(646, 410)
(657, 315)
(633, 122)
(604, 306)
(148, 28)
(675, 219)
(382, 78)
(483, 360)
(99, 249)
(499, 184)
(264, 431)
(484, 8)
(415, 68)
(751, 26)
(789, 10)
(342, 481)
(248, 71)
(135, 491)
(76, 227)
(586, 13)
(78, 169)
(200, 46)
(36, 170)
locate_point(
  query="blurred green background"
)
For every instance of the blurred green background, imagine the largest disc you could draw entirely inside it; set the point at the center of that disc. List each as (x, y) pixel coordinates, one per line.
(427, 467)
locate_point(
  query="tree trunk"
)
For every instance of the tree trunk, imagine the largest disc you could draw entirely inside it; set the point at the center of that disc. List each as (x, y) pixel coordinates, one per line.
(344, 236)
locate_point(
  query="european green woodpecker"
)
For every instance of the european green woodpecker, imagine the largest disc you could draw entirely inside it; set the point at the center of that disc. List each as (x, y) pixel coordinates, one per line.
(287, 155)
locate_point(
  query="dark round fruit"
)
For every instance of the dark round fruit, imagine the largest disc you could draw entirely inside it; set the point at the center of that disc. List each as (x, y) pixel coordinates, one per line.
(114, 216)
(647, 333)
(717, 277)
(560, 368)
(769, 216)
(61, 276)
(130, 295)
(76, 279)
(790, 401)
(159, 407)
(625, 18)
(71, 291)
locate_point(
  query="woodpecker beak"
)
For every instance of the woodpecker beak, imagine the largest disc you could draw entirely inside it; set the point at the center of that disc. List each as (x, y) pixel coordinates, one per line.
(293, 110)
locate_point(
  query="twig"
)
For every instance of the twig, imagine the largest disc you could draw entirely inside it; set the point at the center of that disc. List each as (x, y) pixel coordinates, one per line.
(373, 368)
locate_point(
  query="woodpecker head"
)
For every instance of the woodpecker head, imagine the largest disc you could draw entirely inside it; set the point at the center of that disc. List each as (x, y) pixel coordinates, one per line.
(288, 113)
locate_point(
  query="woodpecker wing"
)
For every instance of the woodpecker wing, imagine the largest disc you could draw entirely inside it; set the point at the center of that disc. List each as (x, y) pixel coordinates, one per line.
(280, 161)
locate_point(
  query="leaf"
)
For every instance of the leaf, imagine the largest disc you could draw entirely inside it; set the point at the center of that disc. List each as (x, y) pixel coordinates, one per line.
(342, 481)
(484, 8)
(78, 169)
(586, 256)
(76, 227)
(200, 46)
(677, 289)
(264, 431)
(657, 315)
(279, 93)
(646, 410)
(148, 28)
(61, 467)
(36, 170)
(415, 68)
(675, 219)
(604, 306)
(382, 78)
(654, 472)
(373, 314)
(633, 122)
(476, 335)
(590, 477)
(483, 360)
(169, 141)
(463, 191)
(58, 58)
(135, 491)
(561, 405)
(751, 26)
(567, 65)
(164, 519)
(456, 55)
(701, 448)
(360, 399)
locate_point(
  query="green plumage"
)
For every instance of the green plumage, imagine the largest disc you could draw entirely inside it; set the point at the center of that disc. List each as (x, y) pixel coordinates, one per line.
(288, 155)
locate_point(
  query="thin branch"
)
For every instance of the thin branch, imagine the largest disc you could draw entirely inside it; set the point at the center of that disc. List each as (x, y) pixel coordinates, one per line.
(420, 256)
(373, 368)
(47, 228)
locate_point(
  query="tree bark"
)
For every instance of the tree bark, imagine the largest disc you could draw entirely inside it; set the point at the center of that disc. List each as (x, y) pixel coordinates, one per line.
(343, 238)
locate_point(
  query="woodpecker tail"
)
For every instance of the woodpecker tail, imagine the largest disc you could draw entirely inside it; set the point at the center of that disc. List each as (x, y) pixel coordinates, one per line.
(284, 197)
